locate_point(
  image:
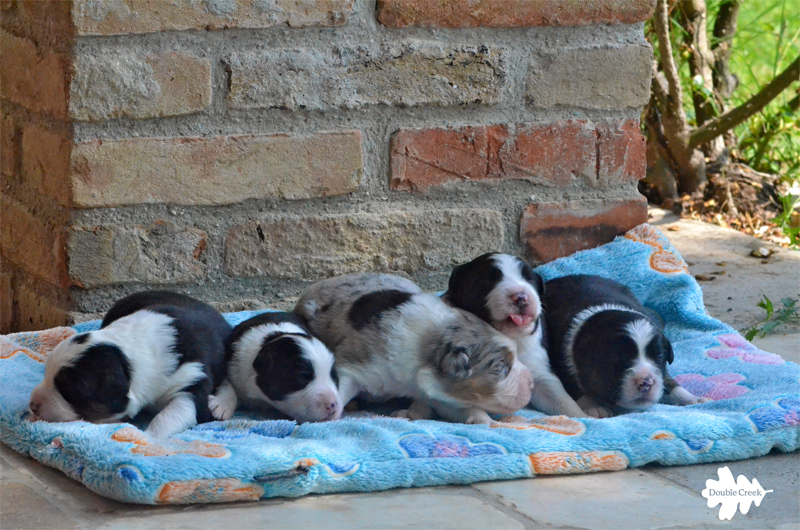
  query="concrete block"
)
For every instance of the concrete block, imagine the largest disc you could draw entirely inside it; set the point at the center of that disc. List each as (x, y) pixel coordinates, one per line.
(595, 78)
(408, 73)
(120, 17)
(216, 170)
(161, 253)
(316, 247)
(123, 84)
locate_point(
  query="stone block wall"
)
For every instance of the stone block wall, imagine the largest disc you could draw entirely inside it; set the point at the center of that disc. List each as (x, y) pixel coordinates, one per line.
(237, 150)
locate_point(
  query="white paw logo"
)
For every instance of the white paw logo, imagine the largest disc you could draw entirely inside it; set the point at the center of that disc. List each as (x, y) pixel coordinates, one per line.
(732, 493)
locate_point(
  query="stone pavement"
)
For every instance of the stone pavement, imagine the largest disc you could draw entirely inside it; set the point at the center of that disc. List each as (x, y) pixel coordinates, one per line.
(33, 496)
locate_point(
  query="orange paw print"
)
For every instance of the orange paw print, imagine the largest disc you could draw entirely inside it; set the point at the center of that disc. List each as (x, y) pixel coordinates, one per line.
(556, 424)
(147, 446)
(207, 490)
(566, 462)
(36, 345)
(663, 260)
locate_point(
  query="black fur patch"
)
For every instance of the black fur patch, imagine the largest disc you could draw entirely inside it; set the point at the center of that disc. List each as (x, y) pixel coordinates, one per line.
(80, 339)
(370, 307)
(471, 283)
(97, 384)
(281, 368)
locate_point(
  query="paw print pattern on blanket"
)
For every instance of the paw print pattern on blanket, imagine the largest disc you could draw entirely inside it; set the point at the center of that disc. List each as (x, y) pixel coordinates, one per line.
(664, 260)
(445, 446)
(555, 424)
(784, 413)
(566, 462)
(695, 446)
(207, 490)
(716, 387)
(146, 446)
(36, 345)
(734, 345)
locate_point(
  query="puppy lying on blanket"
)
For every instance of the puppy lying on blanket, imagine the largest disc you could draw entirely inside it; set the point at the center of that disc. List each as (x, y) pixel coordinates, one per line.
(607, 348)
(392, 340)
(155, 349)
(273, 359)
(505, 292)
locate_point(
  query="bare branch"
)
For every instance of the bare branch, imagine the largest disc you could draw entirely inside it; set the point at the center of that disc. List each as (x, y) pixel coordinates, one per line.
(731, 119)
(667, 61)
(724, 30)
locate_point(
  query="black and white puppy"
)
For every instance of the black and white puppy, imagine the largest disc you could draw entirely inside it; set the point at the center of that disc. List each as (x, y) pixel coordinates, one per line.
(504, 291)
(392, 340)
(273, 359)
(157, 350)
(607, 348)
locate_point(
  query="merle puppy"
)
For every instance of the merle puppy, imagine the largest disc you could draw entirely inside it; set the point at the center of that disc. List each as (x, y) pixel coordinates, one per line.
(155, 349)
(608, 349)
(273, 359)
(392, 340)
(504, 291)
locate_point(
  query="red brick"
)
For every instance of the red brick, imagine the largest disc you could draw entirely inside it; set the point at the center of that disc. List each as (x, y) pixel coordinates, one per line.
(621, 149)
(555, 230)
(511, 14)
(35, 312)
(551, 154)
(32, 77)
(45, 163)
(6, 304)
(33, 245)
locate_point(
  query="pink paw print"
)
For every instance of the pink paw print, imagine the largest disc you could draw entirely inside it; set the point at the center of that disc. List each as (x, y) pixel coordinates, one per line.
(734, 345)
(721, 386)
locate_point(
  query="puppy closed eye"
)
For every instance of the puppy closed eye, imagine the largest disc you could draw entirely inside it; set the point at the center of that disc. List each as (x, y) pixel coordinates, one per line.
(501, 368)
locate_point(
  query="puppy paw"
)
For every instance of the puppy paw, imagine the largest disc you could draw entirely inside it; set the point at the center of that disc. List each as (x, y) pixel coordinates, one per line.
(479, 417)
(219, 409)
(598, 412)
(704, 400)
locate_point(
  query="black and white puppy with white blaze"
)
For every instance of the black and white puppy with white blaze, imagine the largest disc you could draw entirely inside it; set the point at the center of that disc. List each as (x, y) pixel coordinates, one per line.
(608, 349)
(504, 291)
(274, 359)
(392, 340)
(158, 350)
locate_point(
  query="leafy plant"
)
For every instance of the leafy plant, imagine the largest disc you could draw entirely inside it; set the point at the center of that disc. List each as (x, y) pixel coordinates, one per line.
(788, 313)
(784, 220)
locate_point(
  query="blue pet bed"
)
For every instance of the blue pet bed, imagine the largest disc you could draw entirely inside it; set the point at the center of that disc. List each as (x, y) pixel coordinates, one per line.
(755, 407)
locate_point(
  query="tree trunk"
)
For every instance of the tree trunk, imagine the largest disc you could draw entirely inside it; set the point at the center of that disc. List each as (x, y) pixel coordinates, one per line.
(687, 164)
(724, 30)
(694, 16)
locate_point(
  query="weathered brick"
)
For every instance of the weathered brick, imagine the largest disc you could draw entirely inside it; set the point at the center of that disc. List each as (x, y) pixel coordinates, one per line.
(408, 73)
(553, 154)
(31, 244)
(217, 170)
(596, 78)
(317, 247)
(505, 14)
(146, 16)
(554, 230)
(34, 78)
(111, 85)
(158, 254)
(621, 150)
(6, 301)
(35, 312)
(9, 145)
(45, 162)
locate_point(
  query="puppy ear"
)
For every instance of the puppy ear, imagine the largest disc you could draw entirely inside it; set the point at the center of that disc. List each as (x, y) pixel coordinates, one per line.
(667, 347)
(455, 362)
(264, 361)
(531, 277)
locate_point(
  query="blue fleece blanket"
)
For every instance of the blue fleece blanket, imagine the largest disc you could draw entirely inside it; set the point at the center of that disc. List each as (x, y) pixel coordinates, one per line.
(755, 406)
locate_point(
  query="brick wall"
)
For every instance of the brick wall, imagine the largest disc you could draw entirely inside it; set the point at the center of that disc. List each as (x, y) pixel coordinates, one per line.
(238, 150)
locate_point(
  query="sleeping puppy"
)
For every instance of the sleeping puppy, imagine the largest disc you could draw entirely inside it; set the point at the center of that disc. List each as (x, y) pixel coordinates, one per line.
(505, 292)
(155, 349)
(392, 340)
(274, 359)
(607, 348)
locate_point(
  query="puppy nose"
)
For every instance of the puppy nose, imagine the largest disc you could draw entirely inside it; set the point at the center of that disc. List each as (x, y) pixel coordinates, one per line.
(519, 299)
(330, 407)
(644, 384)
(34, 406)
